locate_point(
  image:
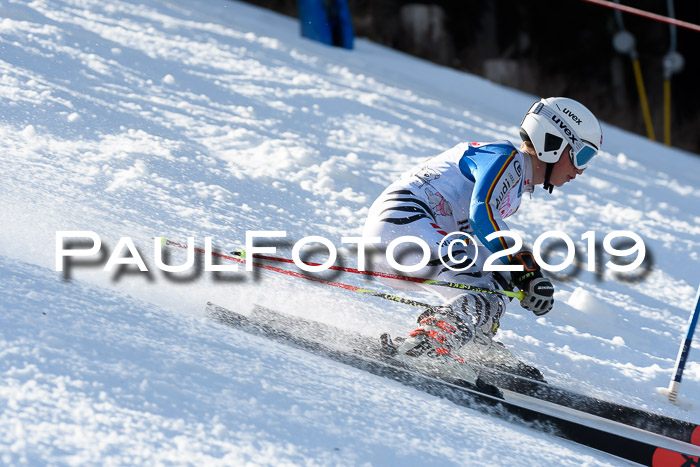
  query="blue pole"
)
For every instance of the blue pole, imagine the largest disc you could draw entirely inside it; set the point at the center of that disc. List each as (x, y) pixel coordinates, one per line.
(684, 350)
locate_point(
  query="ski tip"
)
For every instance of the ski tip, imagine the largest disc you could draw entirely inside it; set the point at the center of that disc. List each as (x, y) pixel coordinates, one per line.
(695, 437)
(666, 458)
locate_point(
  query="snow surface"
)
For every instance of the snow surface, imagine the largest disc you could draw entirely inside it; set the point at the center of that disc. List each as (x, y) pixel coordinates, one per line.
(181, 119)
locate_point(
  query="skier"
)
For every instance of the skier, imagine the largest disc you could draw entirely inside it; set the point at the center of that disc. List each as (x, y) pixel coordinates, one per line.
(472, 188)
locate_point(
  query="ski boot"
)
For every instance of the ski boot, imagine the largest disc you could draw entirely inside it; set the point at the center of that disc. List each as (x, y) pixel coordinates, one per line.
(429, 349)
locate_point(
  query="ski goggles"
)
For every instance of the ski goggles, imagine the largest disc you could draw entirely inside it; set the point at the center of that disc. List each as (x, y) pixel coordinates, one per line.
(582, 155)
(581, 151)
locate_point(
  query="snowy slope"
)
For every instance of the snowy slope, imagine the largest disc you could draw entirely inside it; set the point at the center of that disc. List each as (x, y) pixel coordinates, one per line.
(166, 118)
(91, 376)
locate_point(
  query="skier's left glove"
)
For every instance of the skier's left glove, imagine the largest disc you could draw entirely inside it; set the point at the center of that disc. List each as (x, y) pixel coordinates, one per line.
(538, 290)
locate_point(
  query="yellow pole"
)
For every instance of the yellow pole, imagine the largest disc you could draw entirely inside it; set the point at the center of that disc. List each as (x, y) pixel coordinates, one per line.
(667, 112)
(643, 98)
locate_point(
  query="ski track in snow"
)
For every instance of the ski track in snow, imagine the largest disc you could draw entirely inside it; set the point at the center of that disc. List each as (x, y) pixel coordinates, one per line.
(161, 118)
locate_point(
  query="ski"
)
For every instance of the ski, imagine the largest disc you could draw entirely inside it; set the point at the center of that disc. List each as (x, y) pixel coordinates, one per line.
(365, 354)
(642, 419)
(513, 375)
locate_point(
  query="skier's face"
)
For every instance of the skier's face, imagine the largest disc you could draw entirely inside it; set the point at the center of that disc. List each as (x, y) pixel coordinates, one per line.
(564, 170)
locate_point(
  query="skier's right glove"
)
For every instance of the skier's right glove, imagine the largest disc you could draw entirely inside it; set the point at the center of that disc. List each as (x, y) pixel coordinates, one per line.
(538, 290)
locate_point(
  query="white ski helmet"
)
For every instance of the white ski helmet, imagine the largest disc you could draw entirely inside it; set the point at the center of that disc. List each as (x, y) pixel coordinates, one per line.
(552, 123)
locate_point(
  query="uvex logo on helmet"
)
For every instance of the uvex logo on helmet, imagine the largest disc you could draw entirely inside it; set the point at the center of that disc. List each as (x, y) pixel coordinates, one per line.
(565, 128)
(573, 116)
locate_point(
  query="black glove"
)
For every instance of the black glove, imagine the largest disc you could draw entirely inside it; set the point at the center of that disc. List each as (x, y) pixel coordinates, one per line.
(538, 290)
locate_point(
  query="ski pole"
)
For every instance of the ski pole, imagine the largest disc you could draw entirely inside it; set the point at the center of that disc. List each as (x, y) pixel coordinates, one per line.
(684, 350)
(352, 288)
(519, 295)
